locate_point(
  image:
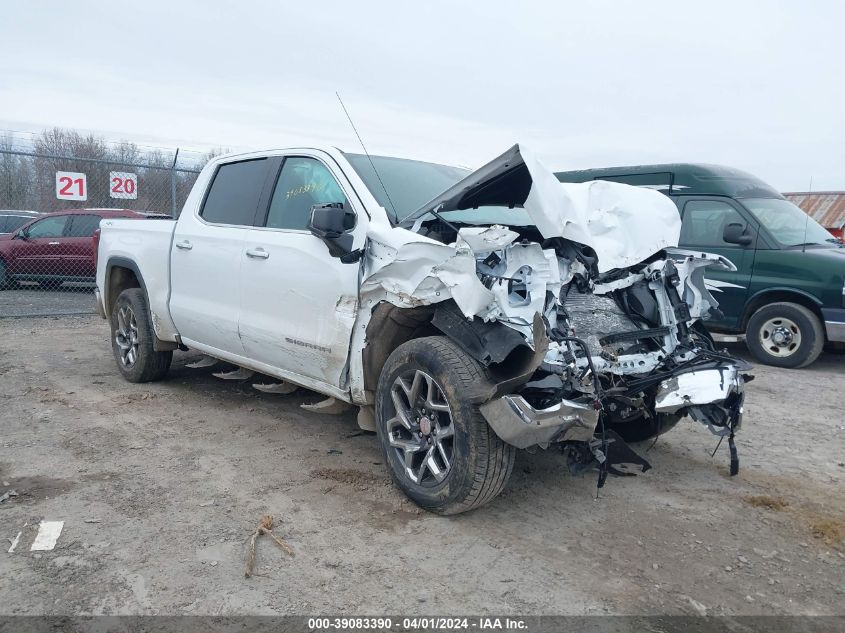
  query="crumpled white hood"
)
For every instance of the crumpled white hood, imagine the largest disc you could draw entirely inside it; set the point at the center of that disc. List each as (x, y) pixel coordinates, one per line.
(623, 224)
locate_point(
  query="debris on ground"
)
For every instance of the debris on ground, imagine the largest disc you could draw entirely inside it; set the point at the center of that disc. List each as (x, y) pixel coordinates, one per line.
(329, 406)
(48, 534)
(14, 542)
(265, 526)
(8, 495)
(238, 374)
(283, 387)
(205, 361)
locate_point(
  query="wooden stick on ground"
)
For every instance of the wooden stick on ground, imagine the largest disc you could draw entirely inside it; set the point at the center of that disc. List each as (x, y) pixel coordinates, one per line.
(265, 526)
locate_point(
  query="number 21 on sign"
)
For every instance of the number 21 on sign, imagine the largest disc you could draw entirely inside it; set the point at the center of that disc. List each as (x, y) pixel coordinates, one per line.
(71, 185)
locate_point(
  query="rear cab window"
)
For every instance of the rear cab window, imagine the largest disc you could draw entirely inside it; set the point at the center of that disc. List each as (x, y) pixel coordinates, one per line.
(235, 192)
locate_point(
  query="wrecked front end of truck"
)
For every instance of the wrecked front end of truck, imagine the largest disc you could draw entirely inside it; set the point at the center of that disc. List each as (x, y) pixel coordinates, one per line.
(575, 298)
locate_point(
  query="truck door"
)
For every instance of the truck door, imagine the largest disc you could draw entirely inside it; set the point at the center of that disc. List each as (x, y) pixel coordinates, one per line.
(206, 258)
(703, 228)
(298, 302)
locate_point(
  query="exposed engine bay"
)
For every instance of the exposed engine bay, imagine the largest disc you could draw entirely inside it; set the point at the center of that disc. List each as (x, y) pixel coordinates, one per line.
(587, 313)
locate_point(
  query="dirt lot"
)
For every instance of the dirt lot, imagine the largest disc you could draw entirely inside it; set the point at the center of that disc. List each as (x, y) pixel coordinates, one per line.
(160, 486)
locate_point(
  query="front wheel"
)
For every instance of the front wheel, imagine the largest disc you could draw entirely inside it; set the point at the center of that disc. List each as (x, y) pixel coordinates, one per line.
(132, 339)
(785, 335)
(440, 450)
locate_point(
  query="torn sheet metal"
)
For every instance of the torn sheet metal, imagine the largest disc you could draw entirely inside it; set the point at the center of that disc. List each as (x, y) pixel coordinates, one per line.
(623, 224)
(240, 373)
(205, 361)
(48, 535)
(697, 387)
(414, 270)
(521, 425)
(283, 387)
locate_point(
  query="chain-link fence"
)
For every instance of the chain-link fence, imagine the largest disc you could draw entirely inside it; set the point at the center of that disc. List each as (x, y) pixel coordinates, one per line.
(54, 190)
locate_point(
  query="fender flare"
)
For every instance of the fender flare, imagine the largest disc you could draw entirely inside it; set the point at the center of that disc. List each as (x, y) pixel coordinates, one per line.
(121, 262)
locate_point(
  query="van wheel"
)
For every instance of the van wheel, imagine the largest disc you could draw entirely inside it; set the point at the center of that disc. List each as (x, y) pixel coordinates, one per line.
(439, 448)
(785, 335)
(132, 339)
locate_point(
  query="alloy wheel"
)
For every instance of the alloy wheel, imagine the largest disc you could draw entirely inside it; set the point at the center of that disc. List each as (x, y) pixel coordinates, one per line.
(421, 429)
(126, 336)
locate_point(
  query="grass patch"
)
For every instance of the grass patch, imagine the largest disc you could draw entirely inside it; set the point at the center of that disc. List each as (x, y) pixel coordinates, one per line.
(766, 501)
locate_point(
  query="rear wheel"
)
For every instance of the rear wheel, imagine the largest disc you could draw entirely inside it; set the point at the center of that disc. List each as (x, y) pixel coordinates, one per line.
(440, 450)
(132, 339)
(785, 335)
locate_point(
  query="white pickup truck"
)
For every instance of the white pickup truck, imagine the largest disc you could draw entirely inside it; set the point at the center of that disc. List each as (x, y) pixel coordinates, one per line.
(467, 315)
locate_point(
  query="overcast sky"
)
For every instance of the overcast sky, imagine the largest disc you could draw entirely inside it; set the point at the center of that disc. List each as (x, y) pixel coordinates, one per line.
(756, 85)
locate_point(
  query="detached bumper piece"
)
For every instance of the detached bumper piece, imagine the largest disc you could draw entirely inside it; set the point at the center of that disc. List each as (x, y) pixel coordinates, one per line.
(713, 397)
(519, 424)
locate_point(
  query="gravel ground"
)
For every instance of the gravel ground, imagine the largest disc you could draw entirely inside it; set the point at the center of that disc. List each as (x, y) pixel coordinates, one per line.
(161, 485)
(30, 300)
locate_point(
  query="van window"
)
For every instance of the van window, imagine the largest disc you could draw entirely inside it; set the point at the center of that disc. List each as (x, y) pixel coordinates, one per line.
(233, 196)
(704, 223)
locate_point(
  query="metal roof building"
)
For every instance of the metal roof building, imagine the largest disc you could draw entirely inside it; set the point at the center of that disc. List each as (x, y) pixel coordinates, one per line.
(825, 207)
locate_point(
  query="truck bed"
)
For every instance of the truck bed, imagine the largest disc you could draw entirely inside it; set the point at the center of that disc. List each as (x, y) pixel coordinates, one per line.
(144, 247)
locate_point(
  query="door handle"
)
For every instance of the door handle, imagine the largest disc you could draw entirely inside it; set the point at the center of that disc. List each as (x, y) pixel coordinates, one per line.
(257, 253)
(53, 243)
(185, 245)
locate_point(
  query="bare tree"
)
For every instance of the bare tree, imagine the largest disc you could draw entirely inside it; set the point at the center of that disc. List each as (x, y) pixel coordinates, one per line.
(16, 177)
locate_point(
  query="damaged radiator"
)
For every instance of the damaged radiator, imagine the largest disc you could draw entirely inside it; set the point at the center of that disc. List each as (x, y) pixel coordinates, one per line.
(592, 317)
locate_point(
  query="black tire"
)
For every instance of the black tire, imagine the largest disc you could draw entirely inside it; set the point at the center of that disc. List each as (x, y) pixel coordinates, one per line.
(785, 320)
(479, 462)
(642, 428)
(146, 364)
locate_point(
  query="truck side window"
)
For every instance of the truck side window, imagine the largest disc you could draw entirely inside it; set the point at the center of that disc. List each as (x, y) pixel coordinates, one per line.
(303, 182)
(705, 221)
(234, 193)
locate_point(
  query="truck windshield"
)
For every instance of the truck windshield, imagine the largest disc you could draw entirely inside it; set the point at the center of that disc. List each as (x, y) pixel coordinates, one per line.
(409, 183)
(787, 223)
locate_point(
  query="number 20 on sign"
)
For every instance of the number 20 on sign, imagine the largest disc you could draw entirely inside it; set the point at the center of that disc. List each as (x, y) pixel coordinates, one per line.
(71, 185)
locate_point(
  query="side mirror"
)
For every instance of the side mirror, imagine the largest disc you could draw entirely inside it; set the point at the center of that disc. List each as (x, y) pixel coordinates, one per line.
(333, 224)
(734, 233)
(23, 234)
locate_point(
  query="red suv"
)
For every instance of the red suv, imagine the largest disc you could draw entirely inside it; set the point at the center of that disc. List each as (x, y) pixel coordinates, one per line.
(56, 247)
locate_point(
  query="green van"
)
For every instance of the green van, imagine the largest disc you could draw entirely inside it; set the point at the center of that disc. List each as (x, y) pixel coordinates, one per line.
(788, 293)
